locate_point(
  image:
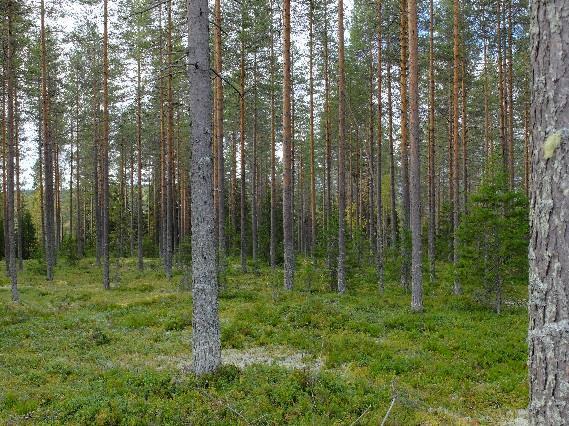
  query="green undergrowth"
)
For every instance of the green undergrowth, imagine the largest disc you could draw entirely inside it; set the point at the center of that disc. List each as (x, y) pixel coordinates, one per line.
(73, 353)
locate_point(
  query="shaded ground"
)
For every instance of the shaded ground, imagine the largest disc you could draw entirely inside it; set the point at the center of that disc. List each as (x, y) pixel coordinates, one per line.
(71, 352)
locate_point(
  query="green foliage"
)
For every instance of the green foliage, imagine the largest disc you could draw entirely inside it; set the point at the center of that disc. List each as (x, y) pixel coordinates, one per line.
(494, 239)
(74, 353)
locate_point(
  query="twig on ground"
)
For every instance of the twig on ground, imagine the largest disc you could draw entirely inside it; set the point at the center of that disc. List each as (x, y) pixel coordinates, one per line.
(361, 415)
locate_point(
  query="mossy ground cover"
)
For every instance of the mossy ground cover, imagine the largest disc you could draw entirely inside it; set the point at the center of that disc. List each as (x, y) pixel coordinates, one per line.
(73, 353)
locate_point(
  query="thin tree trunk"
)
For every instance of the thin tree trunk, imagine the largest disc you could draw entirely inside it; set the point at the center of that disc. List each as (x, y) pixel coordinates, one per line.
(273, 242)
(47, 158)
(139, 224)
(405, 234)
(341, 270)
(455, 195)
(415, 162)
(105, 154)
(392, 198)
(431, 156)
(206, 341)
(288, 230)
(549, 245)
(11, 236)
(510, 100)
(19, 203)
(79, 228)
(254, 219)
(169, 151)
(328, 147)
(242, 152)
(464, 141)
(312, 165)
(379, 237)
(219, 136)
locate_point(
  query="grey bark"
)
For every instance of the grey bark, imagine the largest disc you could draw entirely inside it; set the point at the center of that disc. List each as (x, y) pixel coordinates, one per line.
(549, 242)
(415, 163)
(206, 343)
(288, 232)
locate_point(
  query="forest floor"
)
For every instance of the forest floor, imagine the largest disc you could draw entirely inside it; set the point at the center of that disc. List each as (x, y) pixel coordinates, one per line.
(71, 352)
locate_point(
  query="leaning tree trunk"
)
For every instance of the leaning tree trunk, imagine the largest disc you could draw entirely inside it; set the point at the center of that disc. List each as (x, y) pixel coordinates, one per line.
(549, 245)
(206, 343)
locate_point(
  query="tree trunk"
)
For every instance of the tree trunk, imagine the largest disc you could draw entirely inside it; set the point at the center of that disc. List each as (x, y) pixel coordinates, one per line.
(392, 176)
(405, 234)
(273, 243)
(19, 203)
(312, 165)
(242, 151)
(415, 162)
(79, 227)
(288, 230)
(254, 218)
(206, 341)
(11, 236)
(464, 141)
(105, 153)
(139, 224)
(431, 154)
(455, 158)
(47, 158)
(549, 245)
(219, 137)
(379, 225)
(510, 100)
(341, 271)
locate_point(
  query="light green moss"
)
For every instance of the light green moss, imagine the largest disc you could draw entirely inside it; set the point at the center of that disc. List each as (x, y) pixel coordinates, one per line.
(551, 144)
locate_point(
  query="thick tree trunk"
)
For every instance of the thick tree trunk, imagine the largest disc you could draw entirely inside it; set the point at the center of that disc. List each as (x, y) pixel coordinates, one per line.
(549, 245)
(206, 341)
(288, 230)
(415, 163)
(341, 271)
